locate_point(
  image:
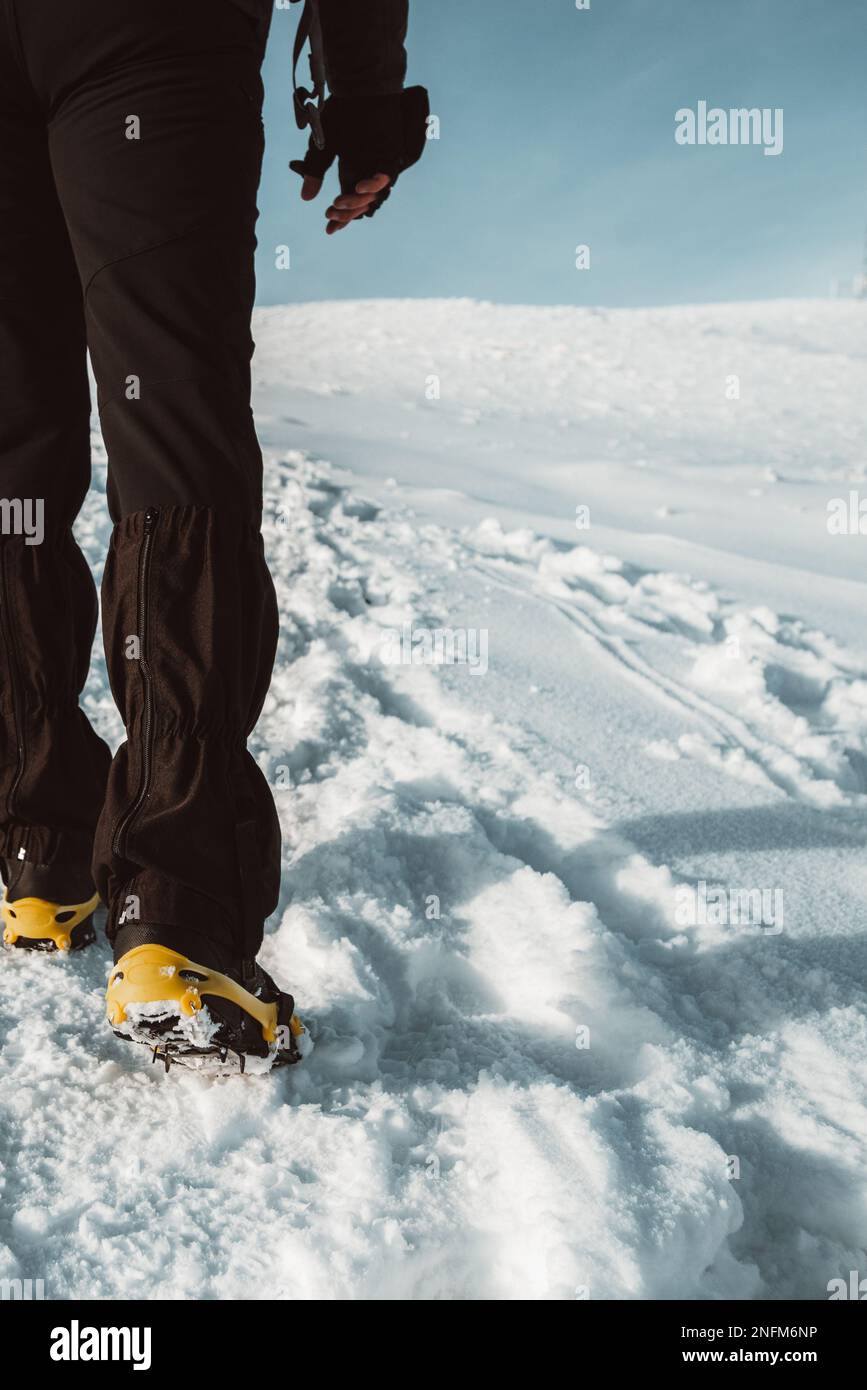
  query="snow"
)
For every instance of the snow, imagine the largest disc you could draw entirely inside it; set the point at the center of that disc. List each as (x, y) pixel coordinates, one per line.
(533, 1079)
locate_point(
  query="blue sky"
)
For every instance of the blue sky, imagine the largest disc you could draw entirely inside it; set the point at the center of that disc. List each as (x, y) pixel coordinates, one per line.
(557, 128)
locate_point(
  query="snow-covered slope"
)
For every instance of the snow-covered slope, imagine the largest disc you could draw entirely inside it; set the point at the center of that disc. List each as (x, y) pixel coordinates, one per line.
(537, 1074)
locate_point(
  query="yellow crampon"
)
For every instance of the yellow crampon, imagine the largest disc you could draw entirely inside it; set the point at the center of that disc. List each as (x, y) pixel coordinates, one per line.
(35, 919)
(154, 974)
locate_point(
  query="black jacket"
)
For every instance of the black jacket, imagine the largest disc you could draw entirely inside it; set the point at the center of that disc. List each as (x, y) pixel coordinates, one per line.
(364, 43)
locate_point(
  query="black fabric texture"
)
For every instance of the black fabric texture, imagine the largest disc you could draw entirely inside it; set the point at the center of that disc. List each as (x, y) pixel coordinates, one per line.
(142, 250)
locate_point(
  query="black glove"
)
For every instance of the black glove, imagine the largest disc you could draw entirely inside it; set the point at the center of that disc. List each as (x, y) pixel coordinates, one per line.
(369, 135)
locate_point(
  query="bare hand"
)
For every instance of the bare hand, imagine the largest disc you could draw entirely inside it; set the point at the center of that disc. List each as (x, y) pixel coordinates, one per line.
(348, 206)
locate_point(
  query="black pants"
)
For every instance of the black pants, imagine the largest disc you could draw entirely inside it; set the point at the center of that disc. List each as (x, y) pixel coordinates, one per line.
(130, 152)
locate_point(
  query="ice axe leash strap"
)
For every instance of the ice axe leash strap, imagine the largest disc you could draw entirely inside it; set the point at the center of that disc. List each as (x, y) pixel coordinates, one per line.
(308, 104)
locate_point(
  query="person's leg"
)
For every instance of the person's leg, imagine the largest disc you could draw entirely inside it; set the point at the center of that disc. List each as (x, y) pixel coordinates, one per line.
(156, 140)
(53, 767)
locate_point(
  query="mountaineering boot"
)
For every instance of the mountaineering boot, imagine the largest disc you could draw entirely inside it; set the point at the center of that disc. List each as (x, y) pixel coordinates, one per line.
(233, 1019)
(47, 908)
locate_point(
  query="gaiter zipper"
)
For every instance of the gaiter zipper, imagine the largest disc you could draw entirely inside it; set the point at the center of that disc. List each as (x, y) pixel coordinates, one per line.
(144, 565)
(14, 682)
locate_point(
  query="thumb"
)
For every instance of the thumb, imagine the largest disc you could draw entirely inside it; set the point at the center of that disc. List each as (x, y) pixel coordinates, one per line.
(310, 187)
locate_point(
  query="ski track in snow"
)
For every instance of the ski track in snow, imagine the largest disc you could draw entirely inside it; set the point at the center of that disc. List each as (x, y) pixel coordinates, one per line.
(794, 705)
(448, 1139)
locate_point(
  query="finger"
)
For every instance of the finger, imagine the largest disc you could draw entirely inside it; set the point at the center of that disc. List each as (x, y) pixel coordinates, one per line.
(339, 214)
(353, 200)
(333, 227)
(310, 187)
(373, 185)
